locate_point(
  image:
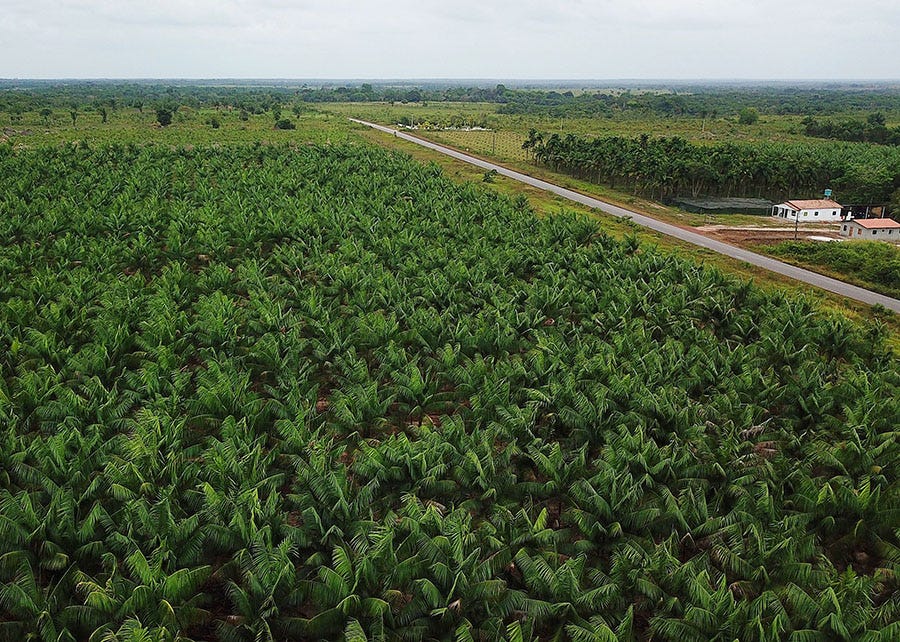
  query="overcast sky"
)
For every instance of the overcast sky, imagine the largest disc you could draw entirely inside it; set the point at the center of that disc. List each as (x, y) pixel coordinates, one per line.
(524, 39)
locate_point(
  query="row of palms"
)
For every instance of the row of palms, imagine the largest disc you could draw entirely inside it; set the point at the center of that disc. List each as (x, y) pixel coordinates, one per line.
(663, 167)
(339, 397)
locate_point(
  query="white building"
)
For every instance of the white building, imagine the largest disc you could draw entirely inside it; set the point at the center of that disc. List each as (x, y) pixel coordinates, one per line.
(816, 211)
(872, 229)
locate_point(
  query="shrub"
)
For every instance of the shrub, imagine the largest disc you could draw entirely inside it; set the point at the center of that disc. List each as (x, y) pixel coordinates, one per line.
(748, 116)
(164, 116)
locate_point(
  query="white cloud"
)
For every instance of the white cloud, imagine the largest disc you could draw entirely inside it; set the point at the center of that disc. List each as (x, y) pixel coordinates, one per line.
(436, 38)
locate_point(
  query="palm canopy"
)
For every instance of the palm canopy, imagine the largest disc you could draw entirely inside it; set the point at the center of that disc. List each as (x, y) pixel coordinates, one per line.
(268, 393)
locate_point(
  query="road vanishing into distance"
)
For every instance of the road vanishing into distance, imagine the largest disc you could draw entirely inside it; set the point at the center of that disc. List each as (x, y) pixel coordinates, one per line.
(779, 267)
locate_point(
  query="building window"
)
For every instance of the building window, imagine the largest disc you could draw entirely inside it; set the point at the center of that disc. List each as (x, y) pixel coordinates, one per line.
(817, 214)
(874, 232)
(845, 228)
(805, 213)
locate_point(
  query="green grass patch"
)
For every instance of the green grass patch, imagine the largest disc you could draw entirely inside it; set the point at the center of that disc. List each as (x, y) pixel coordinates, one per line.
(874, 264)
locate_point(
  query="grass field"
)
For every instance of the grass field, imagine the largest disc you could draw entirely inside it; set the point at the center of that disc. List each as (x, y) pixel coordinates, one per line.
(875, 265)
(782, 128)
(129, 126)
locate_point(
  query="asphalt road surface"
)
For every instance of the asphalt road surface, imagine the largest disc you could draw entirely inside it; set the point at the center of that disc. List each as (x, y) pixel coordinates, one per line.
(806, 276)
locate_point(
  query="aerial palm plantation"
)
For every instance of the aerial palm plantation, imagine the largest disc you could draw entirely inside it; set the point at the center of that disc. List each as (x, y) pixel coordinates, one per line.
(261, 393)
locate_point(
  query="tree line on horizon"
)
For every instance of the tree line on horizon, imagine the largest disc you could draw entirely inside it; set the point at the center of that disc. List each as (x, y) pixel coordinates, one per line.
(699, 101)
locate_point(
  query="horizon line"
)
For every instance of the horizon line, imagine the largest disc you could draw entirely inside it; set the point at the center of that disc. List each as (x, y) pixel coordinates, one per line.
(442, 79)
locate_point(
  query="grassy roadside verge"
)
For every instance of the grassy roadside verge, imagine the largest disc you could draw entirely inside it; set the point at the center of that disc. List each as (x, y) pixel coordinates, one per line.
(875, 266)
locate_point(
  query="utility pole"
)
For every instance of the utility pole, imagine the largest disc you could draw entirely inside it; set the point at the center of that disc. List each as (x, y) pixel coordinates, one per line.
(796, 223)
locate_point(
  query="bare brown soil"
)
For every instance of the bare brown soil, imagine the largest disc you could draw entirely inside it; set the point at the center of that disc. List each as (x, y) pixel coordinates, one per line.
(753, 237)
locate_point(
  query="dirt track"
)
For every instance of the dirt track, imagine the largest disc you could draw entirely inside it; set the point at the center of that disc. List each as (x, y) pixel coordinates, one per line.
(750, 236)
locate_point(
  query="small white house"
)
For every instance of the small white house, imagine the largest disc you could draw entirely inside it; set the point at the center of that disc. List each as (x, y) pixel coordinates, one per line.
(872, 229)
(817, 211)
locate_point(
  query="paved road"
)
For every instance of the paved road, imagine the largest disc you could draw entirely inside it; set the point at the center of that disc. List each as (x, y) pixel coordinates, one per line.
(806, 276)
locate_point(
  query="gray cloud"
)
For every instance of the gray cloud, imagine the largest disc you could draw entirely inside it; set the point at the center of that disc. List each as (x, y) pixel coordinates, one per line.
(466, 38)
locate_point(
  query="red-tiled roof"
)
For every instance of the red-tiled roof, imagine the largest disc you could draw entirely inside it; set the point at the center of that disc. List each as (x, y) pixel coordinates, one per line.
(819, 204)
(877, 223)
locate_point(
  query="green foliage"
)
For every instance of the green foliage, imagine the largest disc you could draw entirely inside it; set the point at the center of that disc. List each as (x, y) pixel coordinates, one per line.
(876, 264)
(285, 123)
(321, 392)
(695, 100)
(668, 166)
(748, 116)
(164, 116)
(871, 130)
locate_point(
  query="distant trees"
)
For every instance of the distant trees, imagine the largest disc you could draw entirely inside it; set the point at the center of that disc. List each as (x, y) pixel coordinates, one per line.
(871, 130)
(683, 101)
(284, 123)
(45, 114)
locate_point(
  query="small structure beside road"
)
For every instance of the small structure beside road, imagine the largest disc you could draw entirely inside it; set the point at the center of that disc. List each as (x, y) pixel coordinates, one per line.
(822, 210)
(710, 205)
(872, 229)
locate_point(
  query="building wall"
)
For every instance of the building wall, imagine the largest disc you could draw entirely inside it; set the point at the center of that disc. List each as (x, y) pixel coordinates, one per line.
(816, 216)
(808, 216)
(857, 232)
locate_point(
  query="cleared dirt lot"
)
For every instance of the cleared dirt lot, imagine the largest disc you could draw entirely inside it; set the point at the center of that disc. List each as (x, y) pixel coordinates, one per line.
(748, 236)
